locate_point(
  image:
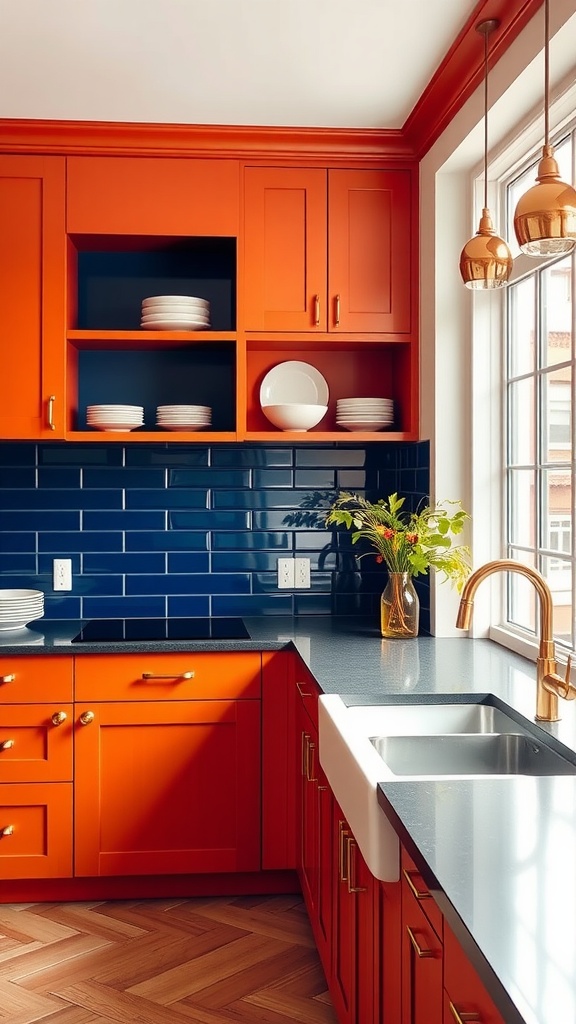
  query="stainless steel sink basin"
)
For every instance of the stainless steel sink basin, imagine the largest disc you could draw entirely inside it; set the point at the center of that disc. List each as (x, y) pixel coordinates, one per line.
(433, 719)
(470, 754)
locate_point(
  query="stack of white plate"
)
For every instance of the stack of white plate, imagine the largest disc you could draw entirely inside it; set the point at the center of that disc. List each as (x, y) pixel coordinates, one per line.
(183, 417)
(115, 417)
(175, 313)
(364, 413)
(19, 607)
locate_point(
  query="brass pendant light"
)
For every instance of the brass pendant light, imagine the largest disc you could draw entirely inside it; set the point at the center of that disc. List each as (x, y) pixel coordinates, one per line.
(545, 217)
(486, 260)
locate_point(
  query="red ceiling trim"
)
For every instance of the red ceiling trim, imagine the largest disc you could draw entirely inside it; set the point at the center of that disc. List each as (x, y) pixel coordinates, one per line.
(462, 69)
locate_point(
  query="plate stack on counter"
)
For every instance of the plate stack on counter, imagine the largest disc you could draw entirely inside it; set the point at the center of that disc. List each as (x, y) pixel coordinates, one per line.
(364, 413)
(183, 417)
(175, 313)
(19, 607)
(115, 417)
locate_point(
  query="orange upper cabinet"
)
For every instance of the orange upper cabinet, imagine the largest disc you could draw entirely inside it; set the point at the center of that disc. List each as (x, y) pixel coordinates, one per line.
(152, 196)
(32, 295)
(327, 250)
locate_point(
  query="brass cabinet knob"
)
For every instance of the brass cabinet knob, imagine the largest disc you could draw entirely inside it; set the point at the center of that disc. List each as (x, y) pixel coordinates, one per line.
(8, 679)
(8, 830)
(6, 745)
(87, 717)
(59, 717)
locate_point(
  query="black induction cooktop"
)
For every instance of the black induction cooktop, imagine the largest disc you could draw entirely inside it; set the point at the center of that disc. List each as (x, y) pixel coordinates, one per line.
(139, 630)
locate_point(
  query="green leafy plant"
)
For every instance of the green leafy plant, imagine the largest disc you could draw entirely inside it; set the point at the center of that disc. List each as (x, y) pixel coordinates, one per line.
(407, 542)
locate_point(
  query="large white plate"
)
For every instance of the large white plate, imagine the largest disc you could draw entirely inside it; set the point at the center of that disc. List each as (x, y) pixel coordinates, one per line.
(294, 381)
(174, 325)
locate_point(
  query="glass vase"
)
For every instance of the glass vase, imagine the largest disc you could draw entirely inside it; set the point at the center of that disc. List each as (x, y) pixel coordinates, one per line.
(399, 607)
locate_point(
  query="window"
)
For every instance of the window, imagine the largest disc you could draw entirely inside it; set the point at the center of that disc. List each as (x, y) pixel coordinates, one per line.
(539, 424)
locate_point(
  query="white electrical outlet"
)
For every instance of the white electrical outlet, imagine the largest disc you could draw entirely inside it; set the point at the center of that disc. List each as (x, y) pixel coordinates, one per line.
(62, 574)
(285, 568)
(302, 573)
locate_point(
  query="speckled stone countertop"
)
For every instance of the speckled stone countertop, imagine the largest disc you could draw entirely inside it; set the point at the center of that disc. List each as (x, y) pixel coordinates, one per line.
(498, 854)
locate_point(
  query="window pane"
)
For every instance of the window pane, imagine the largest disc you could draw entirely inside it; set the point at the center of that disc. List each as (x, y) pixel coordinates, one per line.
(557, 313)
(522, 597)
(556, 509)
(522, 327)
(556, 434)
(521, 416)
(558, 572)
(522, 504)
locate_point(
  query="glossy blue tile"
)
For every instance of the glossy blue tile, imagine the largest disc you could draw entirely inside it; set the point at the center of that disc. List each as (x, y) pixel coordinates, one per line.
(121, 476)
(20, 542)
(45, 565)
(167, 455)
(313, 540)
(123, 520)
(124, 562)
(100, 586)
(291, 499)
(423, 480)
(293, 519)
(17, 454)
(167, 540)
(407, 481)
(17, 562)
(186, 561)
(176, 583)
(80, 455)
(262, 478)
(253, 604)
(59, 499)
(312, 604)
(256, 457)
(40, 520)
(123, 607)
(167, 499)
(209, 478)
(210, 519)
(81, 540)
(248, 561)
(17, 476)
(59, 476)
(251, 540)
(337, 457)
(315, 479)
(351, 479)
(191, 605)
(59, 608)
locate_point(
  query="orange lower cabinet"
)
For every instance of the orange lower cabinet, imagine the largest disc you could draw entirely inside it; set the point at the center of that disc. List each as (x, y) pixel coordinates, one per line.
(465, 998)
(36, 830)
(421, 950)
(167, 787)
(36, 743)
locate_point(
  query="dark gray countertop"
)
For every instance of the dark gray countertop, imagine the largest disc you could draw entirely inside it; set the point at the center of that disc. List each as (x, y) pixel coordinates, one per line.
(499, 854)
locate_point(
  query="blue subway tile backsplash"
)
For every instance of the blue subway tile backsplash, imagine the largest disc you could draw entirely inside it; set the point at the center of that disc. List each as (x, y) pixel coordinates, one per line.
(187, 530)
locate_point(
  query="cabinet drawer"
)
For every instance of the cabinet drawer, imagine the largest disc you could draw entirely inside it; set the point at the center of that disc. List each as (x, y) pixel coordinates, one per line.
(308, 690)
(36, 830)
(36, 743)
(152, 196)
(413, 882)
(422, 954)
(463, 988)
(186, 676)
(35, 679)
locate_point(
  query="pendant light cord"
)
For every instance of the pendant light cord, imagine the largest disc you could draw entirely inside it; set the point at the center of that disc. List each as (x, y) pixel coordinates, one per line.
(546, 71)
(485, 120)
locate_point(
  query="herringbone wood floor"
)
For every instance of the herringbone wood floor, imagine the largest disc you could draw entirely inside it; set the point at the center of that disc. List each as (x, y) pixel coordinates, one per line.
(224, 960)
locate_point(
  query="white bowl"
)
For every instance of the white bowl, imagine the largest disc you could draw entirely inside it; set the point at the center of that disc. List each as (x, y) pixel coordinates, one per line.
(169, 300)
(294, 416)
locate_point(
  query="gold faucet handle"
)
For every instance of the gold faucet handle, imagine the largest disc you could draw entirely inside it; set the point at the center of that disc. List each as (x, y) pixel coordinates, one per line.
(570, 689)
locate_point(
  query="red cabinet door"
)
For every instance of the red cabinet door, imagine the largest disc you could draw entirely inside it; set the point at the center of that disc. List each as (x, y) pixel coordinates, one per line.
(32, 296)
(307, 809)
(422, 988)
(285, 249)
(167, 787)
(370, 251)
(465, 997)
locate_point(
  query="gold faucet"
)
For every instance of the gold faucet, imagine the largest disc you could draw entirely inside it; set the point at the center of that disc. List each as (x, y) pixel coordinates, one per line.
(549, 685)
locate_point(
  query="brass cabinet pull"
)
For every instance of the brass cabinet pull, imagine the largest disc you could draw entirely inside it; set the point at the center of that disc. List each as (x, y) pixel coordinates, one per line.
(301, 691)
(316, 310)
(8, 830)
(87, 717)
(337, 311)
(420, 894)
(461, 1018)
(51, 400)
(59, 717)
(304, 752)
(6, 745)
(8, 679)
(174, 675)
(352, 887)
(343, 833)
(419, 950)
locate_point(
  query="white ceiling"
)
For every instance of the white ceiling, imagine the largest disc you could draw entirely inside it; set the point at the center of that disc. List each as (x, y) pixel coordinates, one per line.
(306, 63)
